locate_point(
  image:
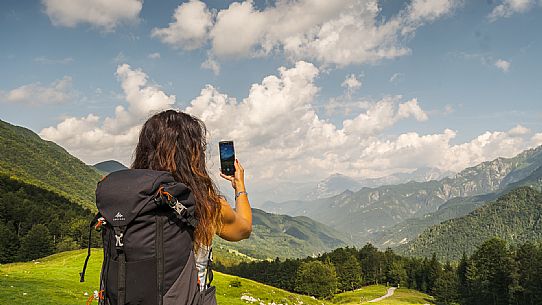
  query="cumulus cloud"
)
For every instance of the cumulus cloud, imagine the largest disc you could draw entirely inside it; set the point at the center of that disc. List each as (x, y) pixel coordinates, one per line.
(277, 122)
(95, 139)
(102, 14)
(509, 7)
(502, 65)
(58, 92)
(211, 64)
(329, 32)
(190, 27)
(351, 83)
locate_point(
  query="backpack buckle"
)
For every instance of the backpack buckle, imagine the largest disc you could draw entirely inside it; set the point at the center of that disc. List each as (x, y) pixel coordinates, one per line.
(118, 238)
(179, 208)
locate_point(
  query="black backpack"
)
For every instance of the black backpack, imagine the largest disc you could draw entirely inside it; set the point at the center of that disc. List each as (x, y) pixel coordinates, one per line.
(147, 223)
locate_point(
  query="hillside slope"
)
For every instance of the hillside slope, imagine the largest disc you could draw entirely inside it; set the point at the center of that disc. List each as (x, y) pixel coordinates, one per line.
(25, 156)
(515, 217)
(286, 237)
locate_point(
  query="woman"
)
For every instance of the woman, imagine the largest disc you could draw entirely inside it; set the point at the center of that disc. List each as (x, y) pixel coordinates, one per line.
(175, 141)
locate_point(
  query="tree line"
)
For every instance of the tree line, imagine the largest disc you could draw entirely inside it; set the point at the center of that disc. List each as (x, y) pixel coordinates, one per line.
(35, 222)
(495, 274)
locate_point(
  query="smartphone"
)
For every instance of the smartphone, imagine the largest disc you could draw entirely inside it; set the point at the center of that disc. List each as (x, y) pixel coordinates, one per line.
(227, 157)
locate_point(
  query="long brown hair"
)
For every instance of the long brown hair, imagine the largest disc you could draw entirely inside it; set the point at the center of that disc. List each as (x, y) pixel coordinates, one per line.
(175, 141)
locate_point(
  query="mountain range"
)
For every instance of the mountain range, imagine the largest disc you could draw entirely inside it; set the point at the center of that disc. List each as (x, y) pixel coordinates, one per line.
(408, 230)
(364, 214)
(337, 183)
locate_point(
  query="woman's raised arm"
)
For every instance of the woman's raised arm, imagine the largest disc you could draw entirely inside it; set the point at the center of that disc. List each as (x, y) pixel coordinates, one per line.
(236, 224)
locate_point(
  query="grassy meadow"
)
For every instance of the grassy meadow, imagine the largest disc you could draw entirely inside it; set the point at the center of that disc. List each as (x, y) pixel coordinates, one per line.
(55, 280)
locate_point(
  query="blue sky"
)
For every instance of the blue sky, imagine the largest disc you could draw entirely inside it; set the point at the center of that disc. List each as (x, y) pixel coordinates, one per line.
(473, 68)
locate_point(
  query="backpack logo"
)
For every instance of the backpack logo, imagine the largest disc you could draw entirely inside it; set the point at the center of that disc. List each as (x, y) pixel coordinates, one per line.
(119, 217)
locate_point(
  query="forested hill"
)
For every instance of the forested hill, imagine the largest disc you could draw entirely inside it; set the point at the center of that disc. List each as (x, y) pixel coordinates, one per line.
(36, 222)
(287, 237)
(453, 208)
(25, 156)
(516, 217)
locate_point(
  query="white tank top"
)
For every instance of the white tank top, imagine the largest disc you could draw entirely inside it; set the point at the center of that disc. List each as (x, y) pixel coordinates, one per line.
(202, 258)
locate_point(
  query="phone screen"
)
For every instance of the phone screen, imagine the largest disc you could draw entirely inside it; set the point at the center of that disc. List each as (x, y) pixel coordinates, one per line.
(227, 157)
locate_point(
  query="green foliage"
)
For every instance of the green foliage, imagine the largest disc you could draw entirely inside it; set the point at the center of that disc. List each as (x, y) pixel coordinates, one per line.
(446, 287)
(347, 266)
(514, 217)
(36, 243)
(317, 279)
(235, 283)
(67, 243)
(9, 244)
(529, 269)
(24, 206)
(25, 156)
(371, 264)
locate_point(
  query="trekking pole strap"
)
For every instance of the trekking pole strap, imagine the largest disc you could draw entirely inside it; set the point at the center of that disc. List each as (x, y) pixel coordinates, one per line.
(82, 273)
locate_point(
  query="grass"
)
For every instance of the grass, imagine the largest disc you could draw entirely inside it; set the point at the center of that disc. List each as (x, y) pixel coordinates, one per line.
(401, 296)
(55, 280)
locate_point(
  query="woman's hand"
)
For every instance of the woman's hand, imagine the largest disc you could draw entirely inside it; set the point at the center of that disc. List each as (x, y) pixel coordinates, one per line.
(238, 179)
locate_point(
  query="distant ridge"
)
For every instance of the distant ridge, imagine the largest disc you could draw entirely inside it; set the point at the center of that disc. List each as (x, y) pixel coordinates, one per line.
(109, 166)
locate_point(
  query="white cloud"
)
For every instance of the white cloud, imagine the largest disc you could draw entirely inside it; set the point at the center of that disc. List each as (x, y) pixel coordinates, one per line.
(155, 55)
(49, 61)
(59, 91)
(329, 32)
(502, 65)
(278, 122)
(396, 77)
(211, 64)
(190, 27)
(351, 83)
(429, 10)
(383, 114)
(95, 139)
(102, 14)
(509, 7)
